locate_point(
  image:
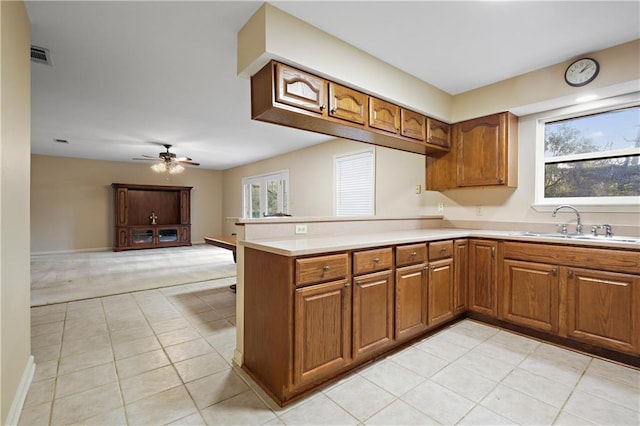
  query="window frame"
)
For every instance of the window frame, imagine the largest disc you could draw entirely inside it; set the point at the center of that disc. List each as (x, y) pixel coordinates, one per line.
(336, 158)
(284, 186)
(593, 204)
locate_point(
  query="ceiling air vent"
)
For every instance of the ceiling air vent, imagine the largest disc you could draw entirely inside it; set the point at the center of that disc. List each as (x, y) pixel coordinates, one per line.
(40, 55)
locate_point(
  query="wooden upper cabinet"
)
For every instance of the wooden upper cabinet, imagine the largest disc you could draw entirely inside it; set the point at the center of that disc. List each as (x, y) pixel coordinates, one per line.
(300, 89)
(290, 97)
(438, 133)
(384, 115)
(347, 104)
(412, 124)
(486, 150)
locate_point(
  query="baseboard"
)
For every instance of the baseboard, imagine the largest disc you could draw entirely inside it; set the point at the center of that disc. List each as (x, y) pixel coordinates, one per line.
(88, 250)
(21, 392)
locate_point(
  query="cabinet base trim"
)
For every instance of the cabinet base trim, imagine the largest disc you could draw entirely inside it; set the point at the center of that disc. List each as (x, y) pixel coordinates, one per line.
(609, 355)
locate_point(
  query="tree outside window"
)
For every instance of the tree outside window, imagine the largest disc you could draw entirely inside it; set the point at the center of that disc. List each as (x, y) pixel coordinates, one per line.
(595, 155)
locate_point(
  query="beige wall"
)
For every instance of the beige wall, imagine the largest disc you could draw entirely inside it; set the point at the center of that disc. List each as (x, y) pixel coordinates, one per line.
(72, 201)
(15, 330)
(312, 184)
(546, 89)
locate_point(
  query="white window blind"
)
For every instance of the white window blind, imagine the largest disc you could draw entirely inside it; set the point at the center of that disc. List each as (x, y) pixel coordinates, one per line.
(355, 184)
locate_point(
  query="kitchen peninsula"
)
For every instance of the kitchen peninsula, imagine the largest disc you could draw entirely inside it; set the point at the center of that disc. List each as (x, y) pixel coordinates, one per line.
(331, 302)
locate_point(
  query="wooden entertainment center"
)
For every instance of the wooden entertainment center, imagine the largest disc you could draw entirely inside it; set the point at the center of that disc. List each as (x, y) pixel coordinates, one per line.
(151, 216)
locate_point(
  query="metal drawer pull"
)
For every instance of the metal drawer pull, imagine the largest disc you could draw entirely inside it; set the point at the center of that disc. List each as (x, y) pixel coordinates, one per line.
(376, 260)
(326, 268)
(554, 271)
(493, 252)
(358, 283)
(414, 254)
(347, 285)
(570, 273)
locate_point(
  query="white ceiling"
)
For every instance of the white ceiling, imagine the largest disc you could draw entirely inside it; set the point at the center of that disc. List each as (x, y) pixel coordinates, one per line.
(129, 75)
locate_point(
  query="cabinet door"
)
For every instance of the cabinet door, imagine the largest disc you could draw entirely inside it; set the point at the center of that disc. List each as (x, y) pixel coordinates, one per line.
(412, 124)
(411, 301)
(438, 133)
(603, 308)
(482, 150)
(321, 330)
(440, 293)
(122, 212)
(530, 294)
(483, 273)
(347, 104)
(185, 206)
(461, 274)
(300, 89)
(384, 115)
(372, 313)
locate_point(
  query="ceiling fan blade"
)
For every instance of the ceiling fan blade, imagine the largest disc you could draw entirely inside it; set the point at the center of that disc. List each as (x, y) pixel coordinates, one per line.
(183, 159)
(191, 163)
(146, 159)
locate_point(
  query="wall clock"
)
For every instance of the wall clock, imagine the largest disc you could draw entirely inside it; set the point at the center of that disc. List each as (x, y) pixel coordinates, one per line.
(581, 72)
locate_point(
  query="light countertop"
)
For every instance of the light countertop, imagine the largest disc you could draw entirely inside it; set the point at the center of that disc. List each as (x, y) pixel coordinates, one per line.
(324, 244)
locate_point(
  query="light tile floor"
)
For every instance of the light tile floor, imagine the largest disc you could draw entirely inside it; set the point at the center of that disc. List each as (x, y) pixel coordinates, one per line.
(164, 357)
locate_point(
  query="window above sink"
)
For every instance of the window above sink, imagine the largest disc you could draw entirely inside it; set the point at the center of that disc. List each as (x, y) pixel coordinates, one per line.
(589, 155)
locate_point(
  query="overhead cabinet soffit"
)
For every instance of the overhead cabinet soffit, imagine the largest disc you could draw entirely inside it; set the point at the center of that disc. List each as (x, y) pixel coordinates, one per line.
(287, 96)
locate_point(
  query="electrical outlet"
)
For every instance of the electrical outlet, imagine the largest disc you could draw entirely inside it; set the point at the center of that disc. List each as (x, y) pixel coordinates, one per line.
(478, 210)
(418, 189)
(440, 207)
(301, 229)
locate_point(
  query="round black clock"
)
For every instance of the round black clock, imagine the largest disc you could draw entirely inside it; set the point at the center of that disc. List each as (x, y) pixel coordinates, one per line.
(581, 72)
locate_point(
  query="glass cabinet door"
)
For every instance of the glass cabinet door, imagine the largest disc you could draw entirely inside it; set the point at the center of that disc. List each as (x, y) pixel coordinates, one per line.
(142, 236)
(167, 235)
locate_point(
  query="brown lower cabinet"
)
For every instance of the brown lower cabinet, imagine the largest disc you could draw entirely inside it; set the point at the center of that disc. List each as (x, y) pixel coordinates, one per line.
(322, 331)
(441, 306)
(547, 287)
(311, 319)
(483, 278)
(603, 308)
(372, 313)
(411, 301)
(530, 294)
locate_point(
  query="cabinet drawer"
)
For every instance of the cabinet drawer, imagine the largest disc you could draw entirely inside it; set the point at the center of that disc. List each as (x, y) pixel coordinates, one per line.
(440, 250)
(411, 254)
(321, 268)
(372, 260)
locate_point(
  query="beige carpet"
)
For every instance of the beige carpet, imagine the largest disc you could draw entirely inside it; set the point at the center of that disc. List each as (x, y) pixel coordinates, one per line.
(57, 278)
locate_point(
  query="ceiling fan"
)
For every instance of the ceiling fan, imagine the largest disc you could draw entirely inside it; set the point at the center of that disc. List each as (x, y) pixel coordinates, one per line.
(168, 162)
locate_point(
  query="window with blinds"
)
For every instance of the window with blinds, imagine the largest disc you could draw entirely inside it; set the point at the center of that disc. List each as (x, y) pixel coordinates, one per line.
(355, 184)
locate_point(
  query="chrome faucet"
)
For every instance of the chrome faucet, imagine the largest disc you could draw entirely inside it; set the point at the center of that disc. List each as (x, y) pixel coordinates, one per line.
(578, 220)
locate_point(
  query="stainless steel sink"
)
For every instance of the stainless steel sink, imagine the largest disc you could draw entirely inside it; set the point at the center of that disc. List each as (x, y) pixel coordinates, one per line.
(582, 237)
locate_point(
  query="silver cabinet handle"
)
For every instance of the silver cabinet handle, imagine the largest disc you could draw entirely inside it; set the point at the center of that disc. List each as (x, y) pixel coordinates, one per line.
(326, 268)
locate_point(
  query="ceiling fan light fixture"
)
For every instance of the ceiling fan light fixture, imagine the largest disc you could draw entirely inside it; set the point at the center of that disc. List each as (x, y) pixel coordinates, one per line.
(159, 167)
(175, 168)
